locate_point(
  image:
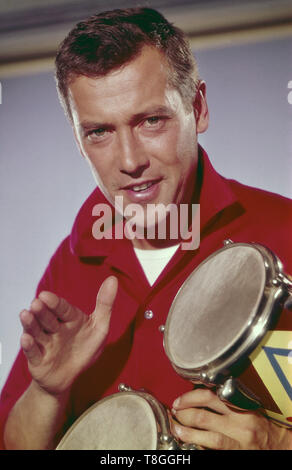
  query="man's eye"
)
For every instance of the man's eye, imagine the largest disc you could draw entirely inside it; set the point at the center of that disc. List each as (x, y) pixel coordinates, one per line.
(153, 120)
(155, 123)
(96, 134)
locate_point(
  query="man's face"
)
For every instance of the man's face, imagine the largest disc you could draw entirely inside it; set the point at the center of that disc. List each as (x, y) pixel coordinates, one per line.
(136, 133)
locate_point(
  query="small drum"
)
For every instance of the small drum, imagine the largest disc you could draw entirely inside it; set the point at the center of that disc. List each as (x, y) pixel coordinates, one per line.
(123, 421)
(224, 310)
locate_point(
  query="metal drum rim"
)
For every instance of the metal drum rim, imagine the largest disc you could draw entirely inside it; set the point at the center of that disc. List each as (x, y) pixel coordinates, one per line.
(246, 342)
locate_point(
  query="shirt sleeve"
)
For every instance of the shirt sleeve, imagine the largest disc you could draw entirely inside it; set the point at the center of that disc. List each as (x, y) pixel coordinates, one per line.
(16, 383)
(19, 377)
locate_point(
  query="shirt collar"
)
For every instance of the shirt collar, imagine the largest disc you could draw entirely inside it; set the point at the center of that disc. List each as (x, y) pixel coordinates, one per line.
(215, 195)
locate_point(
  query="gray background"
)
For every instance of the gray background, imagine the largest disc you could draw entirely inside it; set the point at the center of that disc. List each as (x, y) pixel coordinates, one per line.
(44, 180)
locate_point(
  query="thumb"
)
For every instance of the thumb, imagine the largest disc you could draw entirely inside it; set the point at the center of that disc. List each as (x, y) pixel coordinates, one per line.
(104, 302)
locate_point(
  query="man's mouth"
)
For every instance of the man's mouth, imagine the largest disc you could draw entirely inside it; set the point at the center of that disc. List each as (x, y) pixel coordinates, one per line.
(137, 188)
(144, 191)
(142, 187)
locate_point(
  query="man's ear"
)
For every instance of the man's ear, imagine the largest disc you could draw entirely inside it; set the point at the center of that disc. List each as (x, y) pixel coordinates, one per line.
(200, 107)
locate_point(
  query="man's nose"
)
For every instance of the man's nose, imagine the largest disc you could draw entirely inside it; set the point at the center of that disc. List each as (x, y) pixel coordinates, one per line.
(132, 156)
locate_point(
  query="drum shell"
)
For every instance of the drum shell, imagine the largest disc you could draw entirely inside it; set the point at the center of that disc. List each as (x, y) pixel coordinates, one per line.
(269, 375)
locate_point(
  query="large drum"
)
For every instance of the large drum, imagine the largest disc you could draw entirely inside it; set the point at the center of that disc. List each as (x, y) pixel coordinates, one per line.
(128, 420)
(219, 330)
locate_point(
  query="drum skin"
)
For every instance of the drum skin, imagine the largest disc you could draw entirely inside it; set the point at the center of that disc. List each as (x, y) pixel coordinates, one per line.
(223, 296)
(119, 422)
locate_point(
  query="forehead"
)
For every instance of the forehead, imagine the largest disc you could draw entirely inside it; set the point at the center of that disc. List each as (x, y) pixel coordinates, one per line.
(142, 81)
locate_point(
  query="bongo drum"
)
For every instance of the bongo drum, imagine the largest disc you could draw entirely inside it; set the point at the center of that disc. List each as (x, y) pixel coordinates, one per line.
(128, 420)
(224, 309)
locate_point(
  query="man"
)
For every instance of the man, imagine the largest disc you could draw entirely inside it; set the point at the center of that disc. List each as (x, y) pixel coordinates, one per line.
(130, 87)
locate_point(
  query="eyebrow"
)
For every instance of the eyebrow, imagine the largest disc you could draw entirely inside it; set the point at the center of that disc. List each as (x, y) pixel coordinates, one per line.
(156, 110)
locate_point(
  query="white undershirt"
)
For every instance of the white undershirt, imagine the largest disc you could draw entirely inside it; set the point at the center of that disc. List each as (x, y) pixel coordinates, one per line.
(154, 261)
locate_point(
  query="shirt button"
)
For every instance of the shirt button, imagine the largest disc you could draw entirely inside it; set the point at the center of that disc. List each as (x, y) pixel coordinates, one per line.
(148, 314)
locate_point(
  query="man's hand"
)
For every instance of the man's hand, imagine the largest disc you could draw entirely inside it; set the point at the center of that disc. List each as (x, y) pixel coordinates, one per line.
(60, 341)
(202, 418)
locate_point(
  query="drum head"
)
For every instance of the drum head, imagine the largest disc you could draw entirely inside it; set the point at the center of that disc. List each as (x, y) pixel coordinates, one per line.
(119, 422)
(214, 306)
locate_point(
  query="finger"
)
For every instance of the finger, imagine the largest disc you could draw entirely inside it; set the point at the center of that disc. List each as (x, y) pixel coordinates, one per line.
(104, 301)
(200, 397)
(200, 418)
(60, 307)
(47, 320)
(206, 439)
(31, 326)
(31, 349)
(246, 430)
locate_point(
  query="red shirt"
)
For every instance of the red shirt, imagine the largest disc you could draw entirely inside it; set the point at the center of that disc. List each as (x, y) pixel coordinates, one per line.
(134, 353)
